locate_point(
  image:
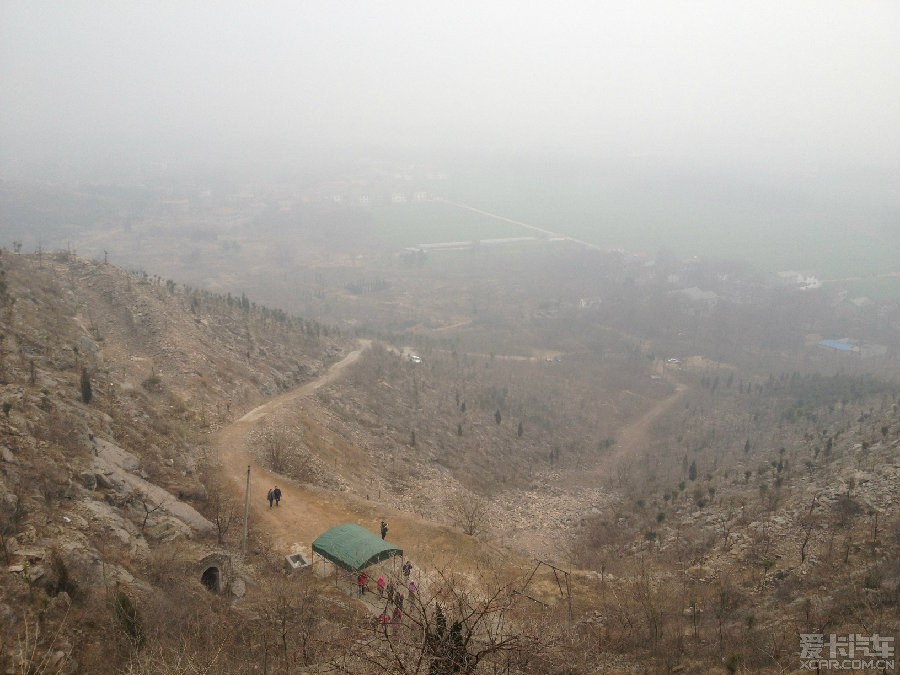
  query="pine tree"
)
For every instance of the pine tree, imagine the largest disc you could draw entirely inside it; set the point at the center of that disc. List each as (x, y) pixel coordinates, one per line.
(86, 392)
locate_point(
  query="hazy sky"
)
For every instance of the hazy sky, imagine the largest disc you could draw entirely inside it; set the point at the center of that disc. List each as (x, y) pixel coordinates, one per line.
(790, 82)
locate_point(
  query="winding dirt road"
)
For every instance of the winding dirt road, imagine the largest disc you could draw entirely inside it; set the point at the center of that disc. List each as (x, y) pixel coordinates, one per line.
(306, 511)
(303, 514)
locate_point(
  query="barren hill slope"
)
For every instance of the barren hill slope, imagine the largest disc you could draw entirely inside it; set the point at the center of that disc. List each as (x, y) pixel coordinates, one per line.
(110, 384)
(121, 395)
(715, 520)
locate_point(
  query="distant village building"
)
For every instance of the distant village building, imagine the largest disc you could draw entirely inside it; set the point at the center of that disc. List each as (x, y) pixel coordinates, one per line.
(866, 350)
(842, 345)
(802, 281)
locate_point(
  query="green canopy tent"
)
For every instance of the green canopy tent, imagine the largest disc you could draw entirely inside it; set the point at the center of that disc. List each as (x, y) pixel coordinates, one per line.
(353, 548)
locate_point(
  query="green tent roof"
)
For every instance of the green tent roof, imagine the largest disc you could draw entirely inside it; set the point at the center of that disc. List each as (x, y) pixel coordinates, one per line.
(353, 547)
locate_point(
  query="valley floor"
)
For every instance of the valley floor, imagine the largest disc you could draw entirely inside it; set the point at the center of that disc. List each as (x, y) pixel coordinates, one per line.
(539, 522)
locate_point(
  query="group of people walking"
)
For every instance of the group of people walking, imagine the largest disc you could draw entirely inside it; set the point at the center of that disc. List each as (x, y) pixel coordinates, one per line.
(394, 596)
(387, 589)
(274, 495)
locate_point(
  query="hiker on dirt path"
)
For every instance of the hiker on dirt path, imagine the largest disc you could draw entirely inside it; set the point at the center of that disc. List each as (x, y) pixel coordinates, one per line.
(407, 568)
(412, 588)
(390, 591)
(384, 529)
(380, 584)
(276, 494)
(270, 496)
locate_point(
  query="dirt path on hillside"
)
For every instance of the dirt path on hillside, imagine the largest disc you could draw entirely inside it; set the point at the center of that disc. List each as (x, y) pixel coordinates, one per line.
(306, 511)
(302, 515)
(633, 438)
(544, 522)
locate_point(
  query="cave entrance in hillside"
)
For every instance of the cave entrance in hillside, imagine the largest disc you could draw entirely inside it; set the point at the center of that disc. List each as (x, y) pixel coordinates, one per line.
(210, 579)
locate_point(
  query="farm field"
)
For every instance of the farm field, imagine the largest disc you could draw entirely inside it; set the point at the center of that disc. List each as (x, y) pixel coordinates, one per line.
(431, 222)
(770, 228)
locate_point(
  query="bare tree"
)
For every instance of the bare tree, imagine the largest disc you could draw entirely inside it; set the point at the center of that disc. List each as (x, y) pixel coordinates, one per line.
(149, 509)
(276, 444)
(35, 645)
(808, 523)
(451, 631)
(296, 617)
(224, 512)
(470, 513)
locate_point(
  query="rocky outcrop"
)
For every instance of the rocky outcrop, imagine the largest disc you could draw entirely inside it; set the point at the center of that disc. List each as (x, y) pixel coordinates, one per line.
(120, 470)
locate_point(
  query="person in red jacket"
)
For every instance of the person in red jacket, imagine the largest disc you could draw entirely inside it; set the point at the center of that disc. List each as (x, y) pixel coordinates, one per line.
(361, 583)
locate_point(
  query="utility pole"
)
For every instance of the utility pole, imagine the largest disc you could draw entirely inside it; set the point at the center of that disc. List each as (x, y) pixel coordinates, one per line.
(246, 513)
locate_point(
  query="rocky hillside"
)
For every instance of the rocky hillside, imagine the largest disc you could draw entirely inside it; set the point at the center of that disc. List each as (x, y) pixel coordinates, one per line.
(110, 384)
(700, 517)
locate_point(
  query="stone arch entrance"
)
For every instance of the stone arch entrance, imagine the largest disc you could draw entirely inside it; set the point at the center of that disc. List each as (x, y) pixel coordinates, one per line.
(215, 572)
(211, 579)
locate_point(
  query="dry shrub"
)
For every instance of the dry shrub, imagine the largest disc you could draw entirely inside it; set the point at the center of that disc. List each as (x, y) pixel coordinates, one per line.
(275, 443)
(470, 513)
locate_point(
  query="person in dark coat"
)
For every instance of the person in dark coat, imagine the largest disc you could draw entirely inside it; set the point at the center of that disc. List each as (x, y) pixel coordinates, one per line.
(271, 497)
(276, 493)
(384, 529)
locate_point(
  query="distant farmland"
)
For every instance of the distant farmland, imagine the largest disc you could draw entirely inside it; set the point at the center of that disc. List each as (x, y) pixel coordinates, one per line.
(848, 236)
(832, 233)
(432, 222)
